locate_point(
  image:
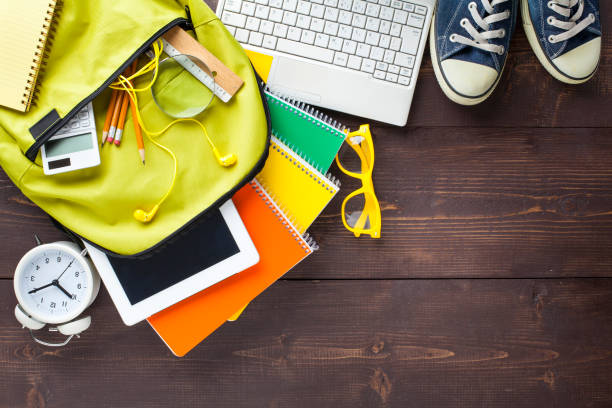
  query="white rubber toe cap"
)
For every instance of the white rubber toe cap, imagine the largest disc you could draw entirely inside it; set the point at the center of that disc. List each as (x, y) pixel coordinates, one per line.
(468, 78)
(580, 62)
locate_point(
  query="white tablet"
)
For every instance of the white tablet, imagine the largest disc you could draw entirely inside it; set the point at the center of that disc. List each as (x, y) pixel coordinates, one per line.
(216, 248)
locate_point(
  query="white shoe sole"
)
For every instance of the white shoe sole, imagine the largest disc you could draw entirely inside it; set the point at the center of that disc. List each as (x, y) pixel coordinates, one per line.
(448, 91)
(532, 37)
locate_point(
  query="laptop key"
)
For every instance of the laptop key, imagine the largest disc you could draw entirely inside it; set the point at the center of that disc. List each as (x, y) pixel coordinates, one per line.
(410, 39)
(242, 35)
(367, 65)
(269, 42)
(252, 24)
(416, 20)
(256, 38)
(341, 59)
(354, 62)
(266, 27)
(294, 33)
(379, 74)
(305, 50)
(233, 5)
(233, 19)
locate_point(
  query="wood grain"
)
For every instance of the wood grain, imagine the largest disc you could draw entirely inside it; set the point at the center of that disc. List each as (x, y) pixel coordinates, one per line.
(420, 343)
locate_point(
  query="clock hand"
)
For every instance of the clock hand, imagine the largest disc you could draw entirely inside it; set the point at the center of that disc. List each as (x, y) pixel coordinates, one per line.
(62, 274)
(60, 287)
(41, 288)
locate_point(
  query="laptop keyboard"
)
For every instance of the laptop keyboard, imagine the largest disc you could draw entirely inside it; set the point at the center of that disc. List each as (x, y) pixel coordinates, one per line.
(378, 37)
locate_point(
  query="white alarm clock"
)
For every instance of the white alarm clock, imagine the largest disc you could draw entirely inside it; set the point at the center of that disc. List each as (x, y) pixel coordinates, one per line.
(54, 284)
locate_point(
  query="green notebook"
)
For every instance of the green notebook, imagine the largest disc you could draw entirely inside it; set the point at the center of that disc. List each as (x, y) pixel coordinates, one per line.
(311, 134)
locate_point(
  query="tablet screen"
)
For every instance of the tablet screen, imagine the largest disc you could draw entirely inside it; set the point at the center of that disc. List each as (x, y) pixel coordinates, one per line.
(203, 245)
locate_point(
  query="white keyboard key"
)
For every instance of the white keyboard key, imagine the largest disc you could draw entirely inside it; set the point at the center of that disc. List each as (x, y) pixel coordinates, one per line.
(233, 5)
(384, 41)
(242, 35)
(394, 69)
(252, 24)
(385, 27)
(372, 38)
(289, 5)
(359, 20)
(289, 18)
(256, 39)
(264, 2)
(232, 30)
(294, 34)
(408, 7)
(363, 50)
(391, 77)
(384, 2)
(305, 50)
(331, 28)
(269, 42)
(345, 4)
(397, 4)
(345, 31)
(359, 35)
(404, 80)
(308, 37)
(341, 59)
(404, 60)
(396, 29)
(382, 66)
(317, 11)
(396, 42)
(349, 46)
(359, 6)
(331, 3)
(280, 30)
(372, 10)
(416, 20)
(406, 72)
(389, 56)
(303, 7)
(317, 24)
(372, 24)
(410, 39)
(335, 43)
(233, 19)
(386, 13)
(331, 14)
(276, 3)
(421, 10)
(379, 74)
(303, 21)
(321, 40)
(248, 8)
(345, 17)
(354, 62)
(276, 15)
(317, 1)
(367, 65)
(377, 53)
(400, 16)
(266, 27)
(262, 12)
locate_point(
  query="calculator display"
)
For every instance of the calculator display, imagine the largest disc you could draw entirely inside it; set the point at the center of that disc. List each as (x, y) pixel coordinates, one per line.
(68, 145)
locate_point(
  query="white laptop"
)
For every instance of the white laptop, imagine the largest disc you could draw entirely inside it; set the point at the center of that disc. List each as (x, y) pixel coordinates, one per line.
(355, 56)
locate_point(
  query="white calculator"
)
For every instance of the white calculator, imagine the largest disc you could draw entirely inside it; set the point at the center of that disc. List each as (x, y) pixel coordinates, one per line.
(74, 146)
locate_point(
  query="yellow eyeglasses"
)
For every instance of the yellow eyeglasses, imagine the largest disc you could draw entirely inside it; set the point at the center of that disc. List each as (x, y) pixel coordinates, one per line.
(363, 214)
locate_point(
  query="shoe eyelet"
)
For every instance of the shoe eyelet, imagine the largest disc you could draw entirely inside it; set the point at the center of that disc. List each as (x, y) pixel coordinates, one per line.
(502, 33)
(463, 22)
(472, 5)
(453, 37)
(592, 16)
(552, 39)
(550, 5)
(501, 50)
(550, 20)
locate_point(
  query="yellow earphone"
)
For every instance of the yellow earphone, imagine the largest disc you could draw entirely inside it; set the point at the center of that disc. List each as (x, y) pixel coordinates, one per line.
(125, 84)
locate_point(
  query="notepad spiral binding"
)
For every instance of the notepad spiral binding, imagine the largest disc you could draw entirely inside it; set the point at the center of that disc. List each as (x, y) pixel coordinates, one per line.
(40, 55)
(297, 151)
(308, 111)
(283, 216)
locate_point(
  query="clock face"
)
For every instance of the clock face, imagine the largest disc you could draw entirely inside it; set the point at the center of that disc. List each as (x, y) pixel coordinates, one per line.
(54, 285)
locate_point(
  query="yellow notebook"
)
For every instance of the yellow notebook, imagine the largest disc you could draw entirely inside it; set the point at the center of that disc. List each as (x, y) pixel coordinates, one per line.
(295, 185)
(24, 28)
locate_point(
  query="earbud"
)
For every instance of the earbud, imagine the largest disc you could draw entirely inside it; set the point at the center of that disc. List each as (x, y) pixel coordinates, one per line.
(225, 161)
(143, 216)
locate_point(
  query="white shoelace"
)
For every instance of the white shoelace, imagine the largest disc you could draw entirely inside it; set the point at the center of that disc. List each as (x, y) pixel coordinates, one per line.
(572, 27)
(481, 39)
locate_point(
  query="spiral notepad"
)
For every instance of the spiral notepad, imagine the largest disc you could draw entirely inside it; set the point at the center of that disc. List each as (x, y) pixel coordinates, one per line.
(24, 41)
(296, 185)
(280, 247)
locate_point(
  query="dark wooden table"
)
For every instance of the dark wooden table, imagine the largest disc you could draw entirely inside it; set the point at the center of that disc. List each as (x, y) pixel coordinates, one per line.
(491, 285)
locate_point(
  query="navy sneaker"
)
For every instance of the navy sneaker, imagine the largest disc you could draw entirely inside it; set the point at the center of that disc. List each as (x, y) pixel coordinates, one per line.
(565, 35)
(469, 43)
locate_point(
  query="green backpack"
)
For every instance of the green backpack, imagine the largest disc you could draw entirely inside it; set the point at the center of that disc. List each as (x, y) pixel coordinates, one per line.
(94, 42)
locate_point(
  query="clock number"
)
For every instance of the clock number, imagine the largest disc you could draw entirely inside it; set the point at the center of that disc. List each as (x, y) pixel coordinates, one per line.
(31, 278)
(46, 260)
(76, 274)
(37, 267)
(73, 296)
(41, 300)
(59, 259)
(52, 305)
(64, 303)
(79, 286)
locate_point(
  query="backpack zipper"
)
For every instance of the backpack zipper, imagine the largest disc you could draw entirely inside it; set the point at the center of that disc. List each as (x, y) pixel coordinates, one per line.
(32, 152)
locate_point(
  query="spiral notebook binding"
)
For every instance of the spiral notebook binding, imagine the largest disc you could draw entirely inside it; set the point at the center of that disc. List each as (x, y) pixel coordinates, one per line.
(307, 109)
(39, 60)
(312, 243)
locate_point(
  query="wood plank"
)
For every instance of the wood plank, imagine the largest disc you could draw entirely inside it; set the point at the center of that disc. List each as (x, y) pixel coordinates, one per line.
(438, 343)
(456, 202)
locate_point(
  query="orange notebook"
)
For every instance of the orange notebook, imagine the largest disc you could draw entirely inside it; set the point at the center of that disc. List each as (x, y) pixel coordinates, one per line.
(280, 248)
